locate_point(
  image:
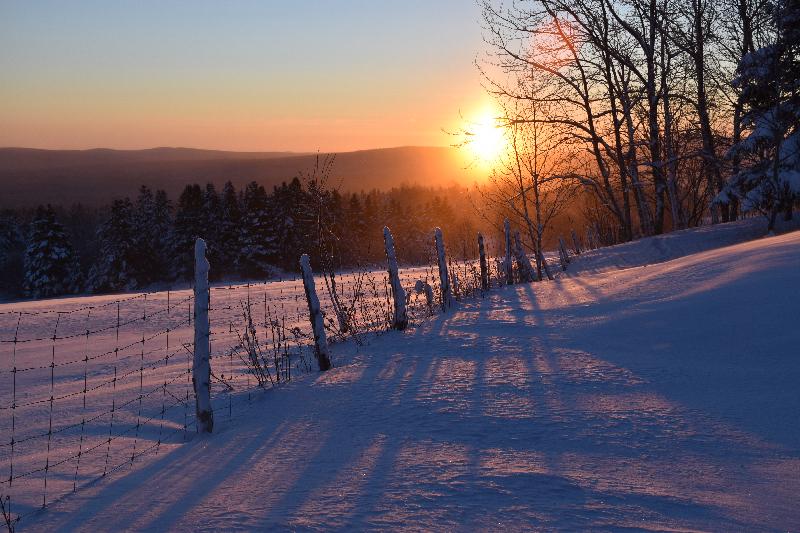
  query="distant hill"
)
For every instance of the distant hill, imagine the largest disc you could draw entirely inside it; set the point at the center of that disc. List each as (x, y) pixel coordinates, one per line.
(31, 176)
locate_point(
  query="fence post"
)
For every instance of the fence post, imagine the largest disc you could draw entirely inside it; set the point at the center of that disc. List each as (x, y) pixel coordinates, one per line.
(545, 266)
(509, 267)
(400, 320)
(484, 265)
(315, 315)
(444, 276)
(575, 242)
(523, 263)
(201, 365)
(564, 252)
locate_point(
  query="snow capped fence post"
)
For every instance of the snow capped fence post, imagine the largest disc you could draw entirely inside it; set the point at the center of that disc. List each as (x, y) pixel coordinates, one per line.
(509, 268)
(484, 266)
(444, 276)
(400, 320)
(545, 266)
(575, 242)
(201, 366)
(523, 263)
(315, 315)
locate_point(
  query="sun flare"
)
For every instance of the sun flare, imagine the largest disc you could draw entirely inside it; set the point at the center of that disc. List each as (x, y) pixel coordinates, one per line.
(487, 137)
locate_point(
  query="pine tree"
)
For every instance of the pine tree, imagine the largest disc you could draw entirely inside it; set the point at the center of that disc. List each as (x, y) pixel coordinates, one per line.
(50, 264)
(292, 221)
(117, 266)
(212, 217)
(188, 226)
(230, 226)
(256, 235)
(12, 254)
(768, 79)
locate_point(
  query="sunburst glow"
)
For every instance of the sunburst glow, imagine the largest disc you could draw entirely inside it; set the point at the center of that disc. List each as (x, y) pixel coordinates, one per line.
(487, 137)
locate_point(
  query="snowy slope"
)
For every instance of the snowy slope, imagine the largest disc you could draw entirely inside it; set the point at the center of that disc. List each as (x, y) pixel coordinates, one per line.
(660, 397)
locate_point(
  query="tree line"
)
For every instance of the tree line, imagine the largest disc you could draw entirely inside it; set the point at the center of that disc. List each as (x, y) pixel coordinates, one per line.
(663, 114)
(147, 241)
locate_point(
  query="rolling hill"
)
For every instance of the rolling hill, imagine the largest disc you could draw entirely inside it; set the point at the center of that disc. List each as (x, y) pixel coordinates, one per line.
(33, 176)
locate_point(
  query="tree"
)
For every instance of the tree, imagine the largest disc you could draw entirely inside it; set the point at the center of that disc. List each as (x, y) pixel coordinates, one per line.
(188, 226)
(50, 264)
(768, 80)
(257, 237)
(118, 266)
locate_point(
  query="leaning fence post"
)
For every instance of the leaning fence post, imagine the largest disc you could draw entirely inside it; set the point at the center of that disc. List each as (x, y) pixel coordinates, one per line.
(575, 242)
(524, 266)
(400, 320)
(563, 249)
(561, 258)
(315, 315)
(509, 267)
(484, 265)
(444, 276)
(201, 365)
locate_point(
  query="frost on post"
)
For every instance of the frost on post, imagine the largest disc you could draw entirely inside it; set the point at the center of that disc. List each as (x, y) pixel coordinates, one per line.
(201, 366)
(523, 263)
(315, 315)
(400, 317)
(484, 265)
(444, 276)
(507, 264)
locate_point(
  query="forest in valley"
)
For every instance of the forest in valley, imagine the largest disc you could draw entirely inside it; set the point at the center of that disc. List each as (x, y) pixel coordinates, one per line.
(251, 233)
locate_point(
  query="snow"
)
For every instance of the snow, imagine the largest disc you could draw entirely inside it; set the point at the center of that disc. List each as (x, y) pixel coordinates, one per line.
(652, 387)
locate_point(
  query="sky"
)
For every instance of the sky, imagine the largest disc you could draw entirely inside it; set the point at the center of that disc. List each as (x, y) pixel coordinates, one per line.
(297, 75)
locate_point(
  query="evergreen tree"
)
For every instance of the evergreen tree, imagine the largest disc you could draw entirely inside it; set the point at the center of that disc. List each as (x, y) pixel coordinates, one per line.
(188, 226)
(116, 268)
(50, 264)
(12, 254)
(768, 79)
(256, 237)
(230, 229)
(212, 216)
(292, 224)
(152, 225)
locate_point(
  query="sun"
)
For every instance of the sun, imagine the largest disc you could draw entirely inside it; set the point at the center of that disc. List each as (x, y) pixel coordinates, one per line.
(487, 137)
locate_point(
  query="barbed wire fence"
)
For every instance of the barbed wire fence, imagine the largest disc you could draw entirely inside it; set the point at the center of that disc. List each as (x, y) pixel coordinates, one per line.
(89, 391)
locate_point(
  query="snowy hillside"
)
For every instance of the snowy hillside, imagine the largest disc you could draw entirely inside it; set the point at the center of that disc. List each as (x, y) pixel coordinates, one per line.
(657, 397)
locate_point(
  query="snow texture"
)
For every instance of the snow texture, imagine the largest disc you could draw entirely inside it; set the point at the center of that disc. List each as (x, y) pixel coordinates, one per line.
(649, 394)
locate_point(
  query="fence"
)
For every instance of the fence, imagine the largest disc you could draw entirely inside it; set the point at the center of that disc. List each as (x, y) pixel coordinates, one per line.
(88, 391)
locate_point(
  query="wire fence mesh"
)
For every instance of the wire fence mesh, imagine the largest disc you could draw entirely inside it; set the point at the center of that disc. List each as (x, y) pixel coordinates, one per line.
(88, 390)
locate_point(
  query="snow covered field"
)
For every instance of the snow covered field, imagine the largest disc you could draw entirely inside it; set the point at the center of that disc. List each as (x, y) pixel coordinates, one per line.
(627, 394)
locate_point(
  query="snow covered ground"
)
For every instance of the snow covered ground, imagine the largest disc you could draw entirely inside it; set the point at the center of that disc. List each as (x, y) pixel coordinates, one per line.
(654, 397)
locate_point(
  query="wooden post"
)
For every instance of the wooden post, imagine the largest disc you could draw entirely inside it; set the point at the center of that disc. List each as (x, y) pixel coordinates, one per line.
(508, 266)
(201, 365)
(400, 319)
(563, 248)
(315, 315)
(575, 242)
(545, 266)
(524, 266)
(484, 265)
(561, 257)
(444, 276)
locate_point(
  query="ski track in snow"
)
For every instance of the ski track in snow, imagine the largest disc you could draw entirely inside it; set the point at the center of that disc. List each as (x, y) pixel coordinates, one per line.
(656, 397)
